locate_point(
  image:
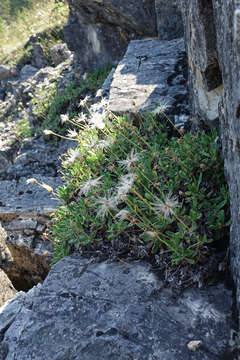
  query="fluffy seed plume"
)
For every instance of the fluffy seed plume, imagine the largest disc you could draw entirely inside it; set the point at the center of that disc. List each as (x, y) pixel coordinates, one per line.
(166, 207)
(161, 108)
(106, 203)
(64, 118)
(73, 154)
(97, 121)
(89, 184)
(122, 215)
(130, 160)
(72, 134)
(125, 184)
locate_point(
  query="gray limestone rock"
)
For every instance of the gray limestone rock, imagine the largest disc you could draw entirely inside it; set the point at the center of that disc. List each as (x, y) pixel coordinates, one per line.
(151, 72)
(99, 31)
(27, 71)
(59, 53)
(38, 58)
(205, 80)
(113, 311)
(212, 34)
(7, 72)
(169, 19)
(25, 211)
(7, 290)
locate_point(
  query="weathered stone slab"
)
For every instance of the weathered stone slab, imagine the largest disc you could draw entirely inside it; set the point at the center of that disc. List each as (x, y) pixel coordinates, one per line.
(169, 19)
(19, 198)
(151, 72)
(113, 311)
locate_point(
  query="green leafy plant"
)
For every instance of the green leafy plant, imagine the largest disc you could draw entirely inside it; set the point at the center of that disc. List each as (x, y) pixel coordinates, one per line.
(137, 179)
(23, 129)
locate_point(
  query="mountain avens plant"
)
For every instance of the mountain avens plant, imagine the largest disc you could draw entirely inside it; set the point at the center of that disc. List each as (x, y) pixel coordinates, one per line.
(137, 178)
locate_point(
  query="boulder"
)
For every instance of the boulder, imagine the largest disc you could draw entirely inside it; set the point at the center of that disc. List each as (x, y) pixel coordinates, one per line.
(27, 71)
(59, 53)
(152, 72)
(169, 19)
(114, 311)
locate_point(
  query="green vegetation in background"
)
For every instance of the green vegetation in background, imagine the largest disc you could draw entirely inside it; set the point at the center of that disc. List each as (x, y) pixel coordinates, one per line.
(48, 104)
(21, 19)
(23, 129)
(135, 180)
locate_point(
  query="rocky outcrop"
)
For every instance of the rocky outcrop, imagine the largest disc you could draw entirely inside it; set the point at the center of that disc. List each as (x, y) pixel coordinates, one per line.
(25, 211)
(212, 31)
(151, 72)
(205, 79)
(99, 31)
(59, 53)
(169, 19)
(114, 311)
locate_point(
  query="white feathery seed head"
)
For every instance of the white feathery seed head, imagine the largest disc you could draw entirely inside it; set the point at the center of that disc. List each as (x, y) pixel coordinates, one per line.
(106, 203)
(89, 184)
(166, 207)
(130, 160)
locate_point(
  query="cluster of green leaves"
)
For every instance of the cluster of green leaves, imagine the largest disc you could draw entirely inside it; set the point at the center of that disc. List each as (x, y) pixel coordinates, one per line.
(137, 180)
(49, 104)
(23, 129)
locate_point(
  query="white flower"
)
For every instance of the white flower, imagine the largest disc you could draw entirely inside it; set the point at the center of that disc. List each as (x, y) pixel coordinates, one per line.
(64, 118)
(122, 215)
(96, 121)
(166, 207)
(90, 183)
(160, 109)
(131, 159)
(106, 203)
(126, 182)
(73, 154)
(72, 133)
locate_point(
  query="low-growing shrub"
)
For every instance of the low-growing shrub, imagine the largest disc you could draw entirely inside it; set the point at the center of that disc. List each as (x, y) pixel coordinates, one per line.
(137, 179)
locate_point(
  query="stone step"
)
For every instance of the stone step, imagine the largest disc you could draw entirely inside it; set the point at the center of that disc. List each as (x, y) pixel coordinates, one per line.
(151, 72)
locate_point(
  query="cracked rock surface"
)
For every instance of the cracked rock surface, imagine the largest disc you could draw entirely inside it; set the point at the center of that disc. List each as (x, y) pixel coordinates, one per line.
(113, 311)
